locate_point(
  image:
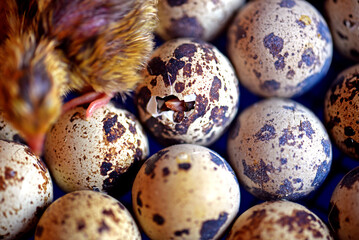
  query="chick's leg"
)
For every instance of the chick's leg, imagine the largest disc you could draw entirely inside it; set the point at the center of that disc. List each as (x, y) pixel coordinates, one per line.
(96, 100)
(101, 101)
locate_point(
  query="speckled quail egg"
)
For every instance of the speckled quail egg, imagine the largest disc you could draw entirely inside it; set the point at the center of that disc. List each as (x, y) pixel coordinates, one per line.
(94, 153)
(341, 111)
(87, 215)
(25, 189)
(7, 131)
(279, 150)
(343, 20)
(279, 220)
(344, 207)
(279, 47)
(190, 93)
(194, 18)
(185, 191)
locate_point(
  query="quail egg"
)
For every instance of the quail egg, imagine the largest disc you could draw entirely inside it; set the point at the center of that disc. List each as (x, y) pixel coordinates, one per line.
(185, 191)
(25, 189)
(7, 132)
(279, 150)
(344, 207)
(279, 48)
(94, 153)
(87, 214)
(190, 93)
(343, 21)
(194, 18)
(279, 220)
(341, 111)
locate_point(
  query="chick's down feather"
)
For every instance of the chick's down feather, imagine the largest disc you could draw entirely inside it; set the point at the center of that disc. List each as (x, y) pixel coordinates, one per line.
(57, 46)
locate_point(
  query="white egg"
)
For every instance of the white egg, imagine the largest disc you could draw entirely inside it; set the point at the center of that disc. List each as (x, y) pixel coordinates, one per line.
(279, 220)
(280, 48)
(343, 20)
(94, 153)
(279, 150)
(185, 191)
(194, 18)
(190, 93)
(344, 207)
(87, 215)
(25, 189)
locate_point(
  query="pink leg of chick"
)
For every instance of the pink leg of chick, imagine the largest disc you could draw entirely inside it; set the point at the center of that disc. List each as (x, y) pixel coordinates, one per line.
(96, 100)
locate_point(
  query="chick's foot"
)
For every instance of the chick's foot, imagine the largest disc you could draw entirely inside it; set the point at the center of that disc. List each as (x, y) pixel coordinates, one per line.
(96, 100)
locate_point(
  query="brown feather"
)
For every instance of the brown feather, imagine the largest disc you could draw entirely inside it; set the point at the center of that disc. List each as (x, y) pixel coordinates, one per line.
(52, 47)
(108, 45)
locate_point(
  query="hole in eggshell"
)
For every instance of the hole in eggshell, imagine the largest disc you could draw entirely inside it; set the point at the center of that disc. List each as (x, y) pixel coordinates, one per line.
(350, 24)
(171, 106)
(174, 104)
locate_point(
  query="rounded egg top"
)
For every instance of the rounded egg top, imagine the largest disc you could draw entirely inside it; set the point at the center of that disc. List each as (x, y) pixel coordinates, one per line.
(341, 111)
(194, 18)
(185, 191)
(280, 47)
(344, 207)
(279, 149)
(343, 21)
(26, 189)
(279, 220)
(85, 215)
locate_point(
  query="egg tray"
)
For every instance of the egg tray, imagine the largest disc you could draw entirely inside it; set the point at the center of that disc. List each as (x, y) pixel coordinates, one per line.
(317, 201)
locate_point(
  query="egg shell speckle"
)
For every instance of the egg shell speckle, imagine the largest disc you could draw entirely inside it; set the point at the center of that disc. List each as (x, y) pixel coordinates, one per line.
(25, 189)
(184, 68)
(194, 18)
(279, 150)
(343, 20)
(279, 220)
(87, 215)
(344, 207)
(7, 131)
(94, 153)
(279, 48)
(341, 112)
(185, 192)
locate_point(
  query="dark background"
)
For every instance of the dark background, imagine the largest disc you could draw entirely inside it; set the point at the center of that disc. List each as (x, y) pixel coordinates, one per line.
(318, 201)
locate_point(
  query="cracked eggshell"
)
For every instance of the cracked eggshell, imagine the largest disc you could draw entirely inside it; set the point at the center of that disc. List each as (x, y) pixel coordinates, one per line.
(341, 111)
(87, 215)
(279, 220)
(280, 48)
(344, 207)
(279, 150)
(185, 191)
(190, 71)
(94, 153)
(194, 18)
(7, 131)
(25, 189)
(343, 20)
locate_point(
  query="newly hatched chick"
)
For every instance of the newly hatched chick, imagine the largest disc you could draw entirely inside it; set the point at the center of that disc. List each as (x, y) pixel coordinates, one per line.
(64, 45)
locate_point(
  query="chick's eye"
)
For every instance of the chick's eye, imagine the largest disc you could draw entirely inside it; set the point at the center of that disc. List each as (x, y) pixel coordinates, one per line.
(24, 87)
(34, 88)
(41, 81)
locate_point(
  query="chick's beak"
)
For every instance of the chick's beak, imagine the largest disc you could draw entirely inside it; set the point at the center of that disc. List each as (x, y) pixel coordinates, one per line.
(36, 143)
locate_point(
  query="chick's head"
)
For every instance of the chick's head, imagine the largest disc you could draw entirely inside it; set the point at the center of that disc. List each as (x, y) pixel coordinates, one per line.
(32, 75)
